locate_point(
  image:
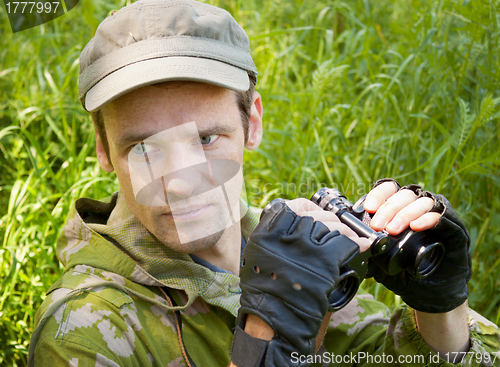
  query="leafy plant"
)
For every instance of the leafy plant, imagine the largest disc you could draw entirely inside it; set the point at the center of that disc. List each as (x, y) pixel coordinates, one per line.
(353, 91)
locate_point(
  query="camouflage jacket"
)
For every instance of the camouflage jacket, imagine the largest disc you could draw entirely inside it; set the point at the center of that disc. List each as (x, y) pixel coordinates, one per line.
(110, 307)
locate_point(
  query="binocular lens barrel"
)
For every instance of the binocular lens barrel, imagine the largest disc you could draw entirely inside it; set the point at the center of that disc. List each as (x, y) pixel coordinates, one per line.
(345, 291)
(428, 259)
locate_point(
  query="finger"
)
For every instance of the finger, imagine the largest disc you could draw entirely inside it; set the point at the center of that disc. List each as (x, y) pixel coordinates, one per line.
(303, 206)
(363, 243)
(386, 212)
(323, 216)
(334, 225)
(377, 196)
(306, 208)
(426, 221)
(409, 213)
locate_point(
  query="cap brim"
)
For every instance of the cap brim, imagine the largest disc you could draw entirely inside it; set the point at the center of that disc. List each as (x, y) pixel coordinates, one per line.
(164, 69)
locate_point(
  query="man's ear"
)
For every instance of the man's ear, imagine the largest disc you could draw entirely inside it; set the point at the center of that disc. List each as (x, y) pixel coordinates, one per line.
(102, 158)
(255, 123)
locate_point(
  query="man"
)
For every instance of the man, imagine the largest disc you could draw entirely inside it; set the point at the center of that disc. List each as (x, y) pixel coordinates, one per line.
(152, 274)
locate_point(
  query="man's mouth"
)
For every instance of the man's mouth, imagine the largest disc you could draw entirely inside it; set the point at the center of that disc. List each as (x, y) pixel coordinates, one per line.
(189, 213)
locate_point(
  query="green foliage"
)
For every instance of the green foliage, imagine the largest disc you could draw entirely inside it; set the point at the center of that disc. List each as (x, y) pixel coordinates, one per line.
(353, 91)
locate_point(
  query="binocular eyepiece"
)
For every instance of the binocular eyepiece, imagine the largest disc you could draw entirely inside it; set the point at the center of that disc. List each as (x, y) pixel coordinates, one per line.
(413, 252)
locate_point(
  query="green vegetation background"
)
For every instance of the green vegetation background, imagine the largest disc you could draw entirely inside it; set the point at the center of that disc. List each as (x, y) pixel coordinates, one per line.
(353, 91)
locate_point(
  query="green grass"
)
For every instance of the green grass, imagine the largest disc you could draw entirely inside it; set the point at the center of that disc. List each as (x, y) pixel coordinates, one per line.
(353, 91)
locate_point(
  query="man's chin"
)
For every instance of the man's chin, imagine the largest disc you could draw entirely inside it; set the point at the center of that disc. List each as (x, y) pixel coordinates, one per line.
(189, 246)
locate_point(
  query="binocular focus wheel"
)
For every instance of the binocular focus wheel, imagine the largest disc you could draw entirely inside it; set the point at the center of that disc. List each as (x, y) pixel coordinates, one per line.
(345, 291)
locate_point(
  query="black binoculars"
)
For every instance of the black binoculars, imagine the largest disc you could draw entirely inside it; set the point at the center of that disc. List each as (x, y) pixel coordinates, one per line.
(413, 252)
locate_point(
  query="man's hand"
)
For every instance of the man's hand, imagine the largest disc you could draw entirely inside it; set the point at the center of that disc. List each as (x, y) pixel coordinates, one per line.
(291, 265)
(446, 288)
(305, 208)
(440, 298)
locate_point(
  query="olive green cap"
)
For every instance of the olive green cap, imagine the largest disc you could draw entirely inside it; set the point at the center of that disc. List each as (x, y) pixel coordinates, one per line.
(153, 41)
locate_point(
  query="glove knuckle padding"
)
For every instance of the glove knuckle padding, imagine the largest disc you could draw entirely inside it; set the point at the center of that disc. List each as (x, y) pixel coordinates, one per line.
(290, 267)
(382, 180)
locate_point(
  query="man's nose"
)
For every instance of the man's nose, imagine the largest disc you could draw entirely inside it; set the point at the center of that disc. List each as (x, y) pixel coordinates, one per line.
(179, 186)
(182, 176)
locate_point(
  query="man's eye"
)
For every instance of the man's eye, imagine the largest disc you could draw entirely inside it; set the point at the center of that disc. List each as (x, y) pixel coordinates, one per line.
(142, 148)
(204, 140)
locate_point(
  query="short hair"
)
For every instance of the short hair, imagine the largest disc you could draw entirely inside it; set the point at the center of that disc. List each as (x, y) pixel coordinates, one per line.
(243, 99)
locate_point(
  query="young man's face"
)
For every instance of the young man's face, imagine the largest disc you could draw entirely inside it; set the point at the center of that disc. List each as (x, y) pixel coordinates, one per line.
(167, 143)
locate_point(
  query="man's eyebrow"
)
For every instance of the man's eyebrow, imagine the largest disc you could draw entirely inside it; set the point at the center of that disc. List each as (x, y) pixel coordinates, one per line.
(136, 137)
(217, 129)
(126, 139)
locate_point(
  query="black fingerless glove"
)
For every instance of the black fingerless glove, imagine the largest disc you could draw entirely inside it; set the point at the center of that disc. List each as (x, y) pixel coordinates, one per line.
(446, 288)
(290, 267)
